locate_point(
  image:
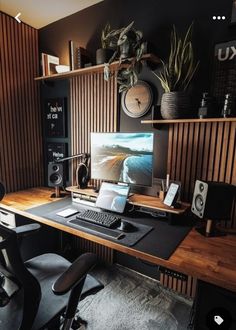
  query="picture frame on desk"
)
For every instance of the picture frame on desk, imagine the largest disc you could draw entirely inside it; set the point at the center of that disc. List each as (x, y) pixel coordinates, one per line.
(55, 118)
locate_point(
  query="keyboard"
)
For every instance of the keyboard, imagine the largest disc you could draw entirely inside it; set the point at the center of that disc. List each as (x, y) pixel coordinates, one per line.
(104, 219)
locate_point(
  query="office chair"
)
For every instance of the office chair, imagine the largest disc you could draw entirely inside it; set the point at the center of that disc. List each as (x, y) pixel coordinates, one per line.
(34, 294)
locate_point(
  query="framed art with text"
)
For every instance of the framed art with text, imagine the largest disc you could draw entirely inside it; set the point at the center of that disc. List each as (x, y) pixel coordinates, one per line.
(56, 150)
(55, 118)
(224, 72)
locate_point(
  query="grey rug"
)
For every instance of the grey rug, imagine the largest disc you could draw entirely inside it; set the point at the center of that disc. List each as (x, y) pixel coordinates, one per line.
(130, 301)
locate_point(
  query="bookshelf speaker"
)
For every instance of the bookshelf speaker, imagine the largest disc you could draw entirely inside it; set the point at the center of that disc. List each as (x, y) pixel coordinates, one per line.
(213, 200)
(55, 175)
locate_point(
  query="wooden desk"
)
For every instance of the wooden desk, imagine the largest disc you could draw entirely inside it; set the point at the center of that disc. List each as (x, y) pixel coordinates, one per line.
(210, 259)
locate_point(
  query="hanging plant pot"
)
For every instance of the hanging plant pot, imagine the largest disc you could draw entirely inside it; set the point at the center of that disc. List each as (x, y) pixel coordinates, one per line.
(103, 55)
(175, 105)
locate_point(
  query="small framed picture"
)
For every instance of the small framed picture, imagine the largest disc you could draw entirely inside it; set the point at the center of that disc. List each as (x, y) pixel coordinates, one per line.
(54, 150)
(233, 15)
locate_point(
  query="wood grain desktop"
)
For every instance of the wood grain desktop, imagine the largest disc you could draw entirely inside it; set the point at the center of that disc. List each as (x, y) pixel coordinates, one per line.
(210, 259)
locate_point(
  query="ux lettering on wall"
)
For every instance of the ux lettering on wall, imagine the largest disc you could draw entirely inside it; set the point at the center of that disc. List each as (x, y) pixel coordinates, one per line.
(55, 118)
(224, 71)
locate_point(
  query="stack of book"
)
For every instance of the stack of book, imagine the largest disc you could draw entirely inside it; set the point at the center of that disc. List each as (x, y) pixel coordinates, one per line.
(79, 57)
(48, 64)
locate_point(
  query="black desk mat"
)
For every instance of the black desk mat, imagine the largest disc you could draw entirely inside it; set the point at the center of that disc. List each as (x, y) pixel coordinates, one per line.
(50, 211)
(160, 242)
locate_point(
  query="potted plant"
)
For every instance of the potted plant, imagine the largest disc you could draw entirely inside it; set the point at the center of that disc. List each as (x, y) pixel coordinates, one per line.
(128, 47)
(104, 54)
(176, 76)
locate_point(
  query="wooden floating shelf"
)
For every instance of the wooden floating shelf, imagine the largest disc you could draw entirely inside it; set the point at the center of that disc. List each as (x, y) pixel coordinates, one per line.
(94, 69)
(192, 120)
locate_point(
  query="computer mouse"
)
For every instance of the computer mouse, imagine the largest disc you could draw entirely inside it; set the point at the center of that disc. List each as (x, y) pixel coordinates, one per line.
(126, 226)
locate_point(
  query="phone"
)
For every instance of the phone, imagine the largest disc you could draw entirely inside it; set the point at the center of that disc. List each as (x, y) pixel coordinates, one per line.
(172, 194)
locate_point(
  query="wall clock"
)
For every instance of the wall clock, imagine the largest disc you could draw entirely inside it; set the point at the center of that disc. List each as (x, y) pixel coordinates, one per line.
(137, 100)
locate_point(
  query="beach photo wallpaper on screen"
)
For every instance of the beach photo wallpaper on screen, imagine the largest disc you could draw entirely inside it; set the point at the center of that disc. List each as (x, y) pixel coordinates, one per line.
(122, 157)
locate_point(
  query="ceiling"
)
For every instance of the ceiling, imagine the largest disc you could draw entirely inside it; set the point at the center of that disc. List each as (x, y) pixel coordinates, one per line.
(39, 13)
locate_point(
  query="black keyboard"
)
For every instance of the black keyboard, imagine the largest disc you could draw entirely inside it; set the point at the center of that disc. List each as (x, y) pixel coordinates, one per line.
(100, 218)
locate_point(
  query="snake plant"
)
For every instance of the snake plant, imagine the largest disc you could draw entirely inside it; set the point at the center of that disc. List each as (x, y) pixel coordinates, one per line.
(180, 68)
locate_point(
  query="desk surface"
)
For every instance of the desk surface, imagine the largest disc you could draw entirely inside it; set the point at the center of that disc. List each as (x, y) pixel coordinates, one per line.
(210, 259)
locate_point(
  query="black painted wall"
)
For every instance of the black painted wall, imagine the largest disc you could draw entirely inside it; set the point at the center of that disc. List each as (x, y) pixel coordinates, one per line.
(155, 18)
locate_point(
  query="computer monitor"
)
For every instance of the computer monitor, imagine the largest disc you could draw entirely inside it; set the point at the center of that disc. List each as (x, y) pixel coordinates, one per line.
(122, 157)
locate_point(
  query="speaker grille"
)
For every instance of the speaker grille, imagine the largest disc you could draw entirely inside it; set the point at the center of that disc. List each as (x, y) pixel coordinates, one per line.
(199, 203)
(55, 178)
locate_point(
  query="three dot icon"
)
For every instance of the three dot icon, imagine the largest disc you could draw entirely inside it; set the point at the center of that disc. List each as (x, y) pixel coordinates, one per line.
(218, 18)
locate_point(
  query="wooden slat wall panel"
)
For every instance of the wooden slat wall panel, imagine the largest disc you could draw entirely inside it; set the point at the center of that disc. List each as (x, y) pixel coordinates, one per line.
(21, 163)
(204, 151)
(93, 109)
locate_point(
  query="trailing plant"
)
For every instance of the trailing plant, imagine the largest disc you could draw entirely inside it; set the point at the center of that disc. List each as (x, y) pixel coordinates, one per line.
(180, 68)
(128, 46)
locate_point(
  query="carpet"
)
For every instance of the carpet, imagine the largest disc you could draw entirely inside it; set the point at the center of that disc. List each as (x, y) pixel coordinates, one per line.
(131, 301)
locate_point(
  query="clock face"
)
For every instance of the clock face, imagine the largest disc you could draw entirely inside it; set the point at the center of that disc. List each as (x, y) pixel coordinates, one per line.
(137, 100)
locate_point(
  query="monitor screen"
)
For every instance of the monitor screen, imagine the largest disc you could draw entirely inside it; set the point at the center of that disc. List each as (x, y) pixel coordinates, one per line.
(122, 157)
(112, 197)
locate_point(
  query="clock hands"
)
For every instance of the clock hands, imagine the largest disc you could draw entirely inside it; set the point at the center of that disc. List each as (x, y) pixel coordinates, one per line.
(139, 102)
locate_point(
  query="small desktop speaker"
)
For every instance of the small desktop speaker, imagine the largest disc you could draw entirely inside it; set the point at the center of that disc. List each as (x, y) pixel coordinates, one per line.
(55, 175)
(213, 200)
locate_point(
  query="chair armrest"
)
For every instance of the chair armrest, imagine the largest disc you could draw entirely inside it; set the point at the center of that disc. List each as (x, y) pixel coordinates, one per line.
(25, 230)
(75, 273)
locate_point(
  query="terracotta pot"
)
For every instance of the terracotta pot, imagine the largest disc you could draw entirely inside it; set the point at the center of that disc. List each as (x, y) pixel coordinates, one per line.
(103, 55)
(175, 105)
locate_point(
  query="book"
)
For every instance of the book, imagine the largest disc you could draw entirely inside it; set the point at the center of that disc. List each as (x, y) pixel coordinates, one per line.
(43, 65)
(79, 56)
